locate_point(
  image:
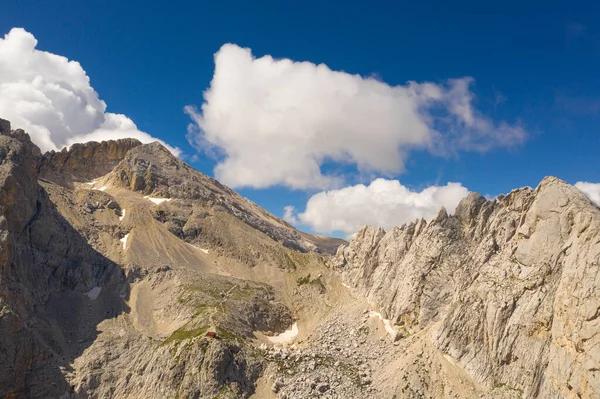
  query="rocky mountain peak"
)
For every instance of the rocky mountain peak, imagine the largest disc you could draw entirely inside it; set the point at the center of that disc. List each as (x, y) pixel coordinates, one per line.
(83, 162)
(155, 280)
(4, 126)
(152, 170)
(468, 208)
(504, 287)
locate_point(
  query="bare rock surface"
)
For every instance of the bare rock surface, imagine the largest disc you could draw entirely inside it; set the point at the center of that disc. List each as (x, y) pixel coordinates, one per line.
(84, 162)
(46, 268)
(507, 288)
(153, 171)
(125, 273)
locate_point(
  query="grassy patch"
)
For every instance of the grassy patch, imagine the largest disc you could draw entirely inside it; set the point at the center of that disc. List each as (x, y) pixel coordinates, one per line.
(182, 334)
(224, 392)
(303, 280)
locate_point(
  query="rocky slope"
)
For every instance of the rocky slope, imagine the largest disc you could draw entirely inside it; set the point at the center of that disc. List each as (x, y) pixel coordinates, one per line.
(48, 273)
(84, 162)
(153, 171)
(507, 289)
(98, 298)
(125, 273)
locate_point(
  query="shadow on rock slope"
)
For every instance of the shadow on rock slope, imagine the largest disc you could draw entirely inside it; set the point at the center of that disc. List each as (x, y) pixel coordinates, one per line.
(54, 288)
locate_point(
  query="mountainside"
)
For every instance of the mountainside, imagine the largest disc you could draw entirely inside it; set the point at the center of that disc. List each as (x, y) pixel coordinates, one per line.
(110, 285)
(125, 273)
(48, 273)
(508, 289)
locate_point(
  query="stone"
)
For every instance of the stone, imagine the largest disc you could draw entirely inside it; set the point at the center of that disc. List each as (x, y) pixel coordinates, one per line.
(517, 262)
(113, 205)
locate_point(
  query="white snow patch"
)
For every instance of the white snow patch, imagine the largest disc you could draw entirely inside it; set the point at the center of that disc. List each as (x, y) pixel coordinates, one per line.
(102, 188)
(386, 323)
(124, 240)
(346, 285)
(122, 214)
(156, 200)
(285, 336)
(200, 249)
(93, 293)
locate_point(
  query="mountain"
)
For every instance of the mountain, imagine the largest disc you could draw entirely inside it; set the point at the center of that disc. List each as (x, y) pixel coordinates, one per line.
(125, 273)
(506, 289)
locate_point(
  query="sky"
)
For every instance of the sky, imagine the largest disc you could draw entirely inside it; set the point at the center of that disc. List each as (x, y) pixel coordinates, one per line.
(330, 114)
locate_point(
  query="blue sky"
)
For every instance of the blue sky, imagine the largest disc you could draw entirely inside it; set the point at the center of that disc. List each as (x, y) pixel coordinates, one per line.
(535, 66)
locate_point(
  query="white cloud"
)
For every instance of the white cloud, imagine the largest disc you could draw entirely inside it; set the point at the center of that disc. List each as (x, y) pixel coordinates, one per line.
(384, 203)
(289, 216)
(277, 121)
(51, 98)
(592, 190)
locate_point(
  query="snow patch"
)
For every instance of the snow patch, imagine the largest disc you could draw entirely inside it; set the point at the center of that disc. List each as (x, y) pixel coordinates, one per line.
(156, 200)
(124, 240)
(200, 249)
(346, 285)
(93, 293)
(285, 336)
(386, 323)
(122, 214)
(102, 188)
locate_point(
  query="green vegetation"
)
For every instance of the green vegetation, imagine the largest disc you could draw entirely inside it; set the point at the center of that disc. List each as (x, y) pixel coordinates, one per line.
(224, 392)
(183, 334)
(498, 385)
(303, 280)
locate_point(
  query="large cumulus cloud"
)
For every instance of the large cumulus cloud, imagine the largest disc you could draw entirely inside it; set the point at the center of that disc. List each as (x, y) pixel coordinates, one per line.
(51, 98)
(278, 121)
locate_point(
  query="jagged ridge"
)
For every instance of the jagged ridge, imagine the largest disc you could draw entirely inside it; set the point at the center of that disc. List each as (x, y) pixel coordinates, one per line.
(506, 287)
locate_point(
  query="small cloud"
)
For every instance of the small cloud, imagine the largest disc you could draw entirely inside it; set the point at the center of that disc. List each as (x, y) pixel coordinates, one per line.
(289, 215)
(498, 100)
(578, 105)
(383, 203)
(574, 31)
(591, 190)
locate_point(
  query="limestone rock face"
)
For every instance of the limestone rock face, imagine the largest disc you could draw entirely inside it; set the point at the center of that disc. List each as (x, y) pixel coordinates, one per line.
(80, 318)
(152, 170)
(84, 162)
(508, 288)
(45, 270)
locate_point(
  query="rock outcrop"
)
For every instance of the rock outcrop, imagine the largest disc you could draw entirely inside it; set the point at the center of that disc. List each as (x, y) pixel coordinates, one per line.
(153, 171)
(507, 288)
(46, 269)
(84, 162)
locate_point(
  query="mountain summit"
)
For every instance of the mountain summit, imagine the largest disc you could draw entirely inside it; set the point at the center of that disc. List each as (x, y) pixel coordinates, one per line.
(125, 273)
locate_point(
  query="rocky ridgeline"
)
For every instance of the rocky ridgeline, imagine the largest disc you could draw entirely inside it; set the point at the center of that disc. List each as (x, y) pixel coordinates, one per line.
(84, 162)
(152, 170)
(508, 288)
(47, 271)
